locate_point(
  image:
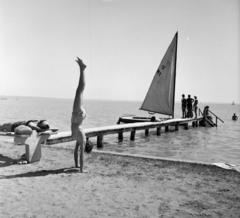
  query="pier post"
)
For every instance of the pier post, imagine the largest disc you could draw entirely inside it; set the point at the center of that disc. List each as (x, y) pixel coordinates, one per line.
(120, 136)
(166, 128)
(100, 141)
(186, 126)
(159, 130)
(176, 126)
(146, 132)
(197, 124)
(132, 136)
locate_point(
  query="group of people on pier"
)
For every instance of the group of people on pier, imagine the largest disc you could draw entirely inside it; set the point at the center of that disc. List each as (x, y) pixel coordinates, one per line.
(189, 106)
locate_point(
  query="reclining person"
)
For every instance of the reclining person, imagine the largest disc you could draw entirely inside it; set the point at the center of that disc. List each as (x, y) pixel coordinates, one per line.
(39, 126)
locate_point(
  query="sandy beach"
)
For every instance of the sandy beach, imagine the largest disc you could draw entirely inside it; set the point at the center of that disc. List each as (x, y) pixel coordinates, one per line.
(113, 186)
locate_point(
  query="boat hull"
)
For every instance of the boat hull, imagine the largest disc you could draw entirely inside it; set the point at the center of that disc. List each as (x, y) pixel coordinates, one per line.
(137, 119)
(132, 119)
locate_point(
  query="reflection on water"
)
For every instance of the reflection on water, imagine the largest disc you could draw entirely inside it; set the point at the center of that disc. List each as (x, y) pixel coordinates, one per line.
(199, 144)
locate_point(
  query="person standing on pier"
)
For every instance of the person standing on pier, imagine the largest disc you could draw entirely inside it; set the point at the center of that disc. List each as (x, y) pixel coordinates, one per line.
(189, 106)
(184, 105)
(78, 115)
(195, 106)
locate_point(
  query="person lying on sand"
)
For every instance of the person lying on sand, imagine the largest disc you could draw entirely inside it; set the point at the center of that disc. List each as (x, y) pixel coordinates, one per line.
(39, 126)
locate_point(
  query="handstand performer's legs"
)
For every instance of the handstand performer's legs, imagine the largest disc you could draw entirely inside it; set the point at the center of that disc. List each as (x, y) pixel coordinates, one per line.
(77, 104)
(78, 113)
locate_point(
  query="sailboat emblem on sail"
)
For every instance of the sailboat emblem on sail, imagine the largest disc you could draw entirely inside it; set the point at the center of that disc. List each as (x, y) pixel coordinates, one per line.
(159, 72)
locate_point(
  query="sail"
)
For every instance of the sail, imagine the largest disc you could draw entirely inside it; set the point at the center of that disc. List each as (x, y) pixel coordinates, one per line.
(160, 97)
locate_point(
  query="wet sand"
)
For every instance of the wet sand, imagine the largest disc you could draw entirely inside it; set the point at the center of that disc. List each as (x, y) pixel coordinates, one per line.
(114, 186)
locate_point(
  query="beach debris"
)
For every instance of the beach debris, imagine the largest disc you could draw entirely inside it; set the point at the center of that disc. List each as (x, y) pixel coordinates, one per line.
(89, 146)
(228, 166)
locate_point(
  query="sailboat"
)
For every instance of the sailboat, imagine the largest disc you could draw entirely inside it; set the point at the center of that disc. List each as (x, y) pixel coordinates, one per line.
(160, 97)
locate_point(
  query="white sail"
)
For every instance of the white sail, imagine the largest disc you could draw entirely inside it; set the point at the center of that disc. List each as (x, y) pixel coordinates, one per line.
(160, 97)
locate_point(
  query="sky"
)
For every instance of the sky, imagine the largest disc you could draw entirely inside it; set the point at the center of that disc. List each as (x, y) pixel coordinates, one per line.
(122, 43)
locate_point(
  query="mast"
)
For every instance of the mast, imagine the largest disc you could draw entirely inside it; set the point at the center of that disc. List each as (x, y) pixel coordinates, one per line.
(175, 64)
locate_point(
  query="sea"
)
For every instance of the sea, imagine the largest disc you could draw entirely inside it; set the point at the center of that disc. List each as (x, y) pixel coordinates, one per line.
(203, 144)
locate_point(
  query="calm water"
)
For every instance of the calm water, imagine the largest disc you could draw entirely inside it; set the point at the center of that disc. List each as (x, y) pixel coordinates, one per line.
(220, 144)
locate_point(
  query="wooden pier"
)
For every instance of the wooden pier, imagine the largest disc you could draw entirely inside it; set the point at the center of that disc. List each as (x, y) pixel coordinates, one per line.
(119, 129)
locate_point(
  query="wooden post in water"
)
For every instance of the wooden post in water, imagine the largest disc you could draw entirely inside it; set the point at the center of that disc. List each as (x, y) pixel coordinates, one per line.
(176, 126)
(146, 132)
(197, 124)
(159, 130)
(120, 136)
(166, 128)
(132, 136)
(186, 126)
(100, 141)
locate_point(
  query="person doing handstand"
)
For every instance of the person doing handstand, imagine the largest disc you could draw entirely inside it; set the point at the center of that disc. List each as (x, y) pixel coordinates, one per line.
(78, 115)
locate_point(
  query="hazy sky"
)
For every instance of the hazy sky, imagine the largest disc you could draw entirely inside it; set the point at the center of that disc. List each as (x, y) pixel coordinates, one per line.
(122, 43)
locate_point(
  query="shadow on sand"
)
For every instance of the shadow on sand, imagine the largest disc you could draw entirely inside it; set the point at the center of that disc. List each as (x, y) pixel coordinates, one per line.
(7, 161)
(42, 173)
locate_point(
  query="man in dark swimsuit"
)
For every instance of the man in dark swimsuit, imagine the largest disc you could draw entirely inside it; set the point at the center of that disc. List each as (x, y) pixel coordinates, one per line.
(184, 105)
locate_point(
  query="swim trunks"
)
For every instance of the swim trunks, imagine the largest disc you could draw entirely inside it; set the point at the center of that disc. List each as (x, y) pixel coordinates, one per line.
(78, 116)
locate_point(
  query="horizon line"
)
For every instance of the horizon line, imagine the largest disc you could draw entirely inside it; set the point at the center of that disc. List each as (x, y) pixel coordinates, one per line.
(101, 99)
